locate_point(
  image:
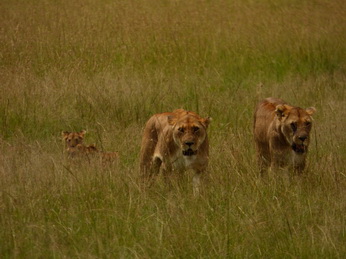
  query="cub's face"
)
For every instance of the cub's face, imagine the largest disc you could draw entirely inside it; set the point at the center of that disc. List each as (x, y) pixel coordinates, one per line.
(72, 139)
(296, 125)
(189, 133)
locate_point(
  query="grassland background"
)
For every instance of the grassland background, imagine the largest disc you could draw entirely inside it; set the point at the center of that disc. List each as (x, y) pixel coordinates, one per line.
(106, 66)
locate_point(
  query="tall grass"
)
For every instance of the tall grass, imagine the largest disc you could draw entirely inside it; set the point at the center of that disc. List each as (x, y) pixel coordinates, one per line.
(106, 66)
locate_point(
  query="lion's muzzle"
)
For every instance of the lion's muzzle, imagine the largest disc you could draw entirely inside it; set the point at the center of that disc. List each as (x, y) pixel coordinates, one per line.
(300, 144)
(299, 148)
(189, 152)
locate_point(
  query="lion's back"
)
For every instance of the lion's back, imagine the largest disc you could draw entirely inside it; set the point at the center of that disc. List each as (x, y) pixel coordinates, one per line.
(151, 135)
(264, 116)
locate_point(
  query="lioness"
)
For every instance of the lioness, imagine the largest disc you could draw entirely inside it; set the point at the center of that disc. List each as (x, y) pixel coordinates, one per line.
(281, 134)
(175, 141)
(72, 139)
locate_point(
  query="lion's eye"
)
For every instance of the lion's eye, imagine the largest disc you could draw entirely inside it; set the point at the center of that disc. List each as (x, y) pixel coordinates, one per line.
(181, 130)
(294, 126)
(307, 124)
(195, 129)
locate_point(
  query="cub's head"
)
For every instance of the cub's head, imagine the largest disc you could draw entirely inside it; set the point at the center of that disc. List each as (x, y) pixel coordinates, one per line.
(72, 139)
(189, 131)
(295, 124)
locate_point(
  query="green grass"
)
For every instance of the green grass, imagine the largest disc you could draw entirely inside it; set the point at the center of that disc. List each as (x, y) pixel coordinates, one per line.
(107, 66)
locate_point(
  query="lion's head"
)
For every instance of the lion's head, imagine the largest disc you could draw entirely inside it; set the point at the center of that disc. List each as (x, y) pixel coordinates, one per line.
(189, 131)
(295, 124)
(72, 139)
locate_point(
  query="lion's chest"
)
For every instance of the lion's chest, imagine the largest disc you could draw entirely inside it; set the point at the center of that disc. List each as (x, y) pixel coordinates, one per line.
(180, 162)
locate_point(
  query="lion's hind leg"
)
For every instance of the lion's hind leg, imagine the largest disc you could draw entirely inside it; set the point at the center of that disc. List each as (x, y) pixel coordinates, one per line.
(150, 172)
(148, 162)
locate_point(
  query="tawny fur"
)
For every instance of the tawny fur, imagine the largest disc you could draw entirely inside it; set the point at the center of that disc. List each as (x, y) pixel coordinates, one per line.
(175, 141)
(91, 151)
(75, 147)
(282, 134)
(72, 140)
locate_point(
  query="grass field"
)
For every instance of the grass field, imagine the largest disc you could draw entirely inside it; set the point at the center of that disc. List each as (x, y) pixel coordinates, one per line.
(107, 66)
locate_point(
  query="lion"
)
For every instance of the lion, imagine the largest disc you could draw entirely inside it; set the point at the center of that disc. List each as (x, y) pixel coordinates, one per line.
(175, 141)
(75, 147)
(282, 135)
(72, 140)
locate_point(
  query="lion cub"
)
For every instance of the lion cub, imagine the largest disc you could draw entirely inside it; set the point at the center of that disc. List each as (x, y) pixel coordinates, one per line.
(72, 140)
(282, 134)
(75, 147)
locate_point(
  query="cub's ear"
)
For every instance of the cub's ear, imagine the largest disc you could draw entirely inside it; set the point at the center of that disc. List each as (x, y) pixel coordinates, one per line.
(311, 110)
(206, 121)
(171, 119)
(65, 134)
(279, 110)
(82, 133)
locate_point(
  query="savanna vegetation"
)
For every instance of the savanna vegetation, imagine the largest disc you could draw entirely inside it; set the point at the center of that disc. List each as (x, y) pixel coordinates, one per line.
(107, 66)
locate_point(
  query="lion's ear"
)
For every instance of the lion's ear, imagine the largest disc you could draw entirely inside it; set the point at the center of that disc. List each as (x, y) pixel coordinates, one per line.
(82, 133)
(206, 121)
(65, 134)
(311, 110)
(279, 110)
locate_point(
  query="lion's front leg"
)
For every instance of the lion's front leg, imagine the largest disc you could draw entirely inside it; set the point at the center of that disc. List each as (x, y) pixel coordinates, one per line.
(279, 161)
(263, 164)
(197, 181)
(150, 171)
(299, 163)
(280, 164)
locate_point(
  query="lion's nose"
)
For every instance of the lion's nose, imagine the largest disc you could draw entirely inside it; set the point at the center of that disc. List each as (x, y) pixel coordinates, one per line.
(302, 138)
(189, 143)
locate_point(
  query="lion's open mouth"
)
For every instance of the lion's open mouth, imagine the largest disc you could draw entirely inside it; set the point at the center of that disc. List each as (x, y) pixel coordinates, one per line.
(189, 152)
(298, 148)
